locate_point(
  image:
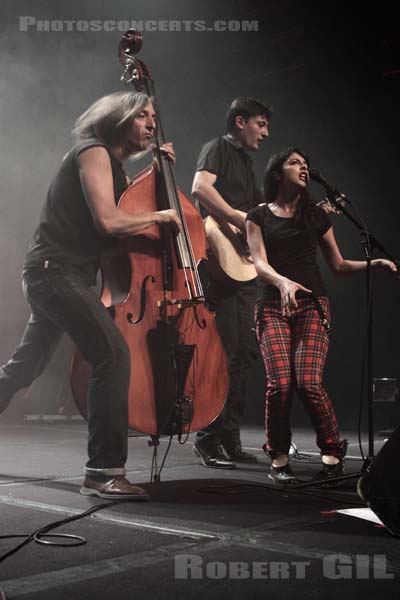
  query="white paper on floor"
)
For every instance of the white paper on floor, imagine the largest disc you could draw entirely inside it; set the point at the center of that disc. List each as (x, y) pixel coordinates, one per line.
(361, 513)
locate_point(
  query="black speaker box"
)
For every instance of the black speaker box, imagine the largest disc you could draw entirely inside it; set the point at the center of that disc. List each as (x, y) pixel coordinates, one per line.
(379, 486)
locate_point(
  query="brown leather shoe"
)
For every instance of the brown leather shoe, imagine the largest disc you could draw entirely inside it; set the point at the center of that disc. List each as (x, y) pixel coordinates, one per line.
(113, 488)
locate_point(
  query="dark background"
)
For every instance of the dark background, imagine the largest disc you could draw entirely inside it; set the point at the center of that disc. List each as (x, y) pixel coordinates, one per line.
(331, 72)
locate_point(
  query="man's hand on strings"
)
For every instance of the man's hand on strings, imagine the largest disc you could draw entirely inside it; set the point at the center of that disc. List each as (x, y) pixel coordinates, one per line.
(170, 217)
(167, 151)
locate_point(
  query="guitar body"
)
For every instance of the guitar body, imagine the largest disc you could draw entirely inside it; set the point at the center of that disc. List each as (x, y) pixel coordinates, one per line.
(229, 258)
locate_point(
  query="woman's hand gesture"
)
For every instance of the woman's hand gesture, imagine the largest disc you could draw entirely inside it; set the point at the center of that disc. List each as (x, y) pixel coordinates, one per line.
(288, 289)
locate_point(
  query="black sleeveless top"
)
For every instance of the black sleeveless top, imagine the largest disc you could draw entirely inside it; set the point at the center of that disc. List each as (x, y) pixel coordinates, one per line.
(66, 235)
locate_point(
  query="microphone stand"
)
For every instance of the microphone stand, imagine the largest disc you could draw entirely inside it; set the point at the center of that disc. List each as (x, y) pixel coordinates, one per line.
(369, 243)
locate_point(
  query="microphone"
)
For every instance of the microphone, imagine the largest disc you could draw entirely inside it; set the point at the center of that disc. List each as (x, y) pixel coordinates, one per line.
(333, 194)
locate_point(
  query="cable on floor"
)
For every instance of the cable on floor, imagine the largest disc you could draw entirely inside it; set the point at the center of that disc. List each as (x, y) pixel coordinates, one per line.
(41, 535)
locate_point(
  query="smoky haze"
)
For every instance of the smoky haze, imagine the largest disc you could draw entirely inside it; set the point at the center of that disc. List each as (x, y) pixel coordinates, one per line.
(329, 97)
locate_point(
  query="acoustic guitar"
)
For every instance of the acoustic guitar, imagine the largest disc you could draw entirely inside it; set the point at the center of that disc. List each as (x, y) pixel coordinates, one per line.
(229, 258)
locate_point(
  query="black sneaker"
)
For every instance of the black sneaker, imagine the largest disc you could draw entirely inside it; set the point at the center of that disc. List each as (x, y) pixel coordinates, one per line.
(329, 472)
(282, 475)
(233, 448)
(236, 452)
(239, 455)
(212, 456)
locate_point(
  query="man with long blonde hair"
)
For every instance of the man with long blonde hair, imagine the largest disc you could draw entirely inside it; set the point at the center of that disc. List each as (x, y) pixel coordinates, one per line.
(80, 220)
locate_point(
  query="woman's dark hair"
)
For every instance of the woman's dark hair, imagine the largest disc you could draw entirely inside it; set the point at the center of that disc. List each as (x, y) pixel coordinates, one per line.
(306, 209)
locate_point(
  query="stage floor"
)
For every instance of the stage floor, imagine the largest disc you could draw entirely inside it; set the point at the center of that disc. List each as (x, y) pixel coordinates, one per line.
(205, 533)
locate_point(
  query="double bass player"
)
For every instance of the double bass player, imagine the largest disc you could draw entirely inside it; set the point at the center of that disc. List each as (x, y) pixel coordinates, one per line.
(79, 221)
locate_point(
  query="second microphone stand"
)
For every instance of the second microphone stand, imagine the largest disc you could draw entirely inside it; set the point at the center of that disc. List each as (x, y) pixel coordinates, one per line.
(369, 244)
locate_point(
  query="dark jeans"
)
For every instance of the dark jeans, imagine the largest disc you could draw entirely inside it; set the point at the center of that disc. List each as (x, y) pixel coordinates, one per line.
(234, 315)
(61, 301)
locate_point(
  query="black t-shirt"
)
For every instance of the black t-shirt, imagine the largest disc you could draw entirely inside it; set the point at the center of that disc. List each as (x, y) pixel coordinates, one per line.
(234, 170)
(291, 249)
(66, 234)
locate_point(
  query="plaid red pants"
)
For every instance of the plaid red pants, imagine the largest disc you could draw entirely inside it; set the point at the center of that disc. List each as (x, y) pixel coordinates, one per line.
(294, 352)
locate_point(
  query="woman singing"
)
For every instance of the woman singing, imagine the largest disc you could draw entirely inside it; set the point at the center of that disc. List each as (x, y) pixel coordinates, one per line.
(283, 235)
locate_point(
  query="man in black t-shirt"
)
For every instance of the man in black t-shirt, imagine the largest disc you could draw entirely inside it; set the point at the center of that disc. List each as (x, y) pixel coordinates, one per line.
(224, 184)
(78, 222)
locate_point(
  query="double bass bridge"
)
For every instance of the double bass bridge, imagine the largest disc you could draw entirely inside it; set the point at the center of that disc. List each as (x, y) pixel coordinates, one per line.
(180, 303)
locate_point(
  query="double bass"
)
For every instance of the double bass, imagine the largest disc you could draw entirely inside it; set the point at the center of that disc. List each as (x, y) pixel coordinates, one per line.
(179, 376)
